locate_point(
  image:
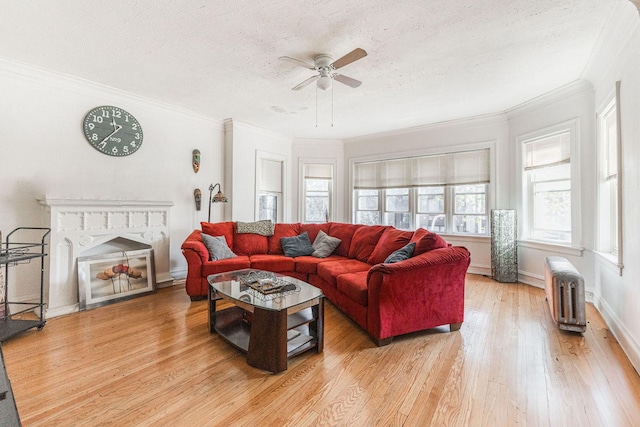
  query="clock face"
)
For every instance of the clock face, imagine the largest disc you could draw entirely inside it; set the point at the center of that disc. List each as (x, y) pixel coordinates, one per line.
(112, 131)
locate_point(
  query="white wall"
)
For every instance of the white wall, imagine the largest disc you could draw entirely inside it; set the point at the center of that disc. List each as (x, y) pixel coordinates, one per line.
(242, 142)
(44, 152)
(574, 102)
(618, 296)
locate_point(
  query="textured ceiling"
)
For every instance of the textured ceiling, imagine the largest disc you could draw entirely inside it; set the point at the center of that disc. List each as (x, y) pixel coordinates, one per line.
(428, 61)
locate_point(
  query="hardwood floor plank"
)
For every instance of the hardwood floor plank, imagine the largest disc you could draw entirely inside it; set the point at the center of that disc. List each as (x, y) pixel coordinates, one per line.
(151, 361)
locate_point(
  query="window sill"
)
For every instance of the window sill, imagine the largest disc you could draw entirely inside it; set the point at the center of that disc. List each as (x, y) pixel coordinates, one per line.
(551, 247)
(610, 260)
(465, 237)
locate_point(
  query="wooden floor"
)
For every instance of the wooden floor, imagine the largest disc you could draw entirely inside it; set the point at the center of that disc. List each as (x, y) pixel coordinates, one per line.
(152, 361)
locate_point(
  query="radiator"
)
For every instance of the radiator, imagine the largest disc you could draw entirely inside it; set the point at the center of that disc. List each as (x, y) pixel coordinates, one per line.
(564, 287)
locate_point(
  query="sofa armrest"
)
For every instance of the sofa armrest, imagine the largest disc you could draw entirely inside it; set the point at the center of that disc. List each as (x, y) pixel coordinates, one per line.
(419, 293)
(193, 242)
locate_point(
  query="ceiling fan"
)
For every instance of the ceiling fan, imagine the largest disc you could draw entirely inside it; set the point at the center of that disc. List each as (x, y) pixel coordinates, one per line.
(325, 66)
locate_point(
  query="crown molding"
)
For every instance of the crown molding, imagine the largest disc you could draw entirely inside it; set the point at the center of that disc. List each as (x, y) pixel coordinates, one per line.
(542, 101)
(54, 79)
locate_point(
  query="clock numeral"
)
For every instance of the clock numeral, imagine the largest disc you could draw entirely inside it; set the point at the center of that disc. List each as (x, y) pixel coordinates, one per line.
(117, 114)
(134, 126)
(125, 149)
(126, 118)
(114, 150)
(91, 126)
(102, 144)
(105, 114)
(94, 136)
(133, 144)
(137, 135)
(97, 119)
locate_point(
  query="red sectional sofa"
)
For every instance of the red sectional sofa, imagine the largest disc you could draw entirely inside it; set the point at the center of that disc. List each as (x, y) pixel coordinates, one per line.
(386, 300)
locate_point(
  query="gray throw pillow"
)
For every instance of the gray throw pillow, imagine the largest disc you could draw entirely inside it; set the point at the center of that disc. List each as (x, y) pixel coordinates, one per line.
(324, 245)
(217, 247)
(401, 254)
(263, 227)
(299, 245)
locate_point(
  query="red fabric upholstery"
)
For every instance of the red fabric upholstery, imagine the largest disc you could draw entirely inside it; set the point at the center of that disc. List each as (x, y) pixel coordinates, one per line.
(364, 241)
(279, 231)
(309, 264)
(422, 292)
(223, 265)
(330, 270)
(343, 232)
(313, 229)
(354, 285)
(390, 241)
(426, 241)
(249, 244)
(220, 229)
(275, 263)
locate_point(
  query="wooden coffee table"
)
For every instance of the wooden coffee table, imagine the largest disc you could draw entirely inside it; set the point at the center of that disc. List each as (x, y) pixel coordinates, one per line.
(269, 327)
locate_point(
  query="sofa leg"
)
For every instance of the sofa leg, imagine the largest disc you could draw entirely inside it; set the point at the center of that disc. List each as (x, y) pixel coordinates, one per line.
(455, 326)
(382, 342)
(198, 297)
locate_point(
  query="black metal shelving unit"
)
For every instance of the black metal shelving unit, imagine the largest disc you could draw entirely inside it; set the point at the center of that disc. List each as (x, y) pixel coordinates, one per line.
(12, 253)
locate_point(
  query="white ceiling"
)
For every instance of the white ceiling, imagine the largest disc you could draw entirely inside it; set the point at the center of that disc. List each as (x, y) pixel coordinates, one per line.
(428, 60)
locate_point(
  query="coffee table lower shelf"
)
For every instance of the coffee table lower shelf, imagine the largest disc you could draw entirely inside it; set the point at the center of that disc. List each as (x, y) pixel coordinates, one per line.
(270, 337)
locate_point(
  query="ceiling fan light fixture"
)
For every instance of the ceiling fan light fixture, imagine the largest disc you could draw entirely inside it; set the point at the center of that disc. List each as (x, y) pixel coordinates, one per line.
(324, 82)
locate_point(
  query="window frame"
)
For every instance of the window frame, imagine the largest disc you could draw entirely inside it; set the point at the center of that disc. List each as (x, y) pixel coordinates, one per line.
(490, 187)
(302, 185)
(609, 190)
(525, 207)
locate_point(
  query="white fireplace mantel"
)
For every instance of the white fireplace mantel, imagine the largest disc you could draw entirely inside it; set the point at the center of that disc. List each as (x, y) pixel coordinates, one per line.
(78, 225)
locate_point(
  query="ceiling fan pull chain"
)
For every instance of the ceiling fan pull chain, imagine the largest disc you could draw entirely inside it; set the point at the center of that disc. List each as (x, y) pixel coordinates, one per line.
(331, 105)
(316, 106)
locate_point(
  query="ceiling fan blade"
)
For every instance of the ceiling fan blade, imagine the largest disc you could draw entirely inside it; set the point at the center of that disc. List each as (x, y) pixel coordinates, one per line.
(297, 62)
(305, 83)
(354, 55)
(347, 80)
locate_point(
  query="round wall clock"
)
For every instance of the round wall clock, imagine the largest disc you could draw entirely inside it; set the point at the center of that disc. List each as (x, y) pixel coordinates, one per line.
(112, 131)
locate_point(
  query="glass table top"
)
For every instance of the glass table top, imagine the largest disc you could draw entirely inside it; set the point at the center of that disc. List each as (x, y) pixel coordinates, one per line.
(263, 289)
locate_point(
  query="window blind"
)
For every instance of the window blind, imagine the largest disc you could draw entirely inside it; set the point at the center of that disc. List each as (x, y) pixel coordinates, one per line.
(318, 171)
(548, 151)
(468, 167)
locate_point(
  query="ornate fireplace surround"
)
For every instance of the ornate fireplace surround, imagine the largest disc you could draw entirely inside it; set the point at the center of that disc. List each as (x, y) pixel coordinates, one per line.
(82, 225)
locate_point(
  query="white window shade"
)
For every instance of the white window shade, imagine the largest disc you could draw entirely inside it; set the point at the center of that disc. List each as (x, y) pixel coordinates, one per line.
(318, 171)
(548, 151)
(611, 129)
(469, 167)
(271, 176)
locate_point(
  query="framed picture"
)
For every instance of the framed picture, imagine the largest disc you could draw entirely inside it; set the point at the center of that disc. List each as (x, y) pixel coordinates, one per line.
(107, 278)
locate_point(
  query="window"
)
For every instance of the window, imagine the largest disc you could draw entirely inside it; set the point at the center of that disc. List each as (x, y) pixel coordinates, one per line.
(445, 193)
(547, 172)
(269, 179)
(318, 190)
(609, 221)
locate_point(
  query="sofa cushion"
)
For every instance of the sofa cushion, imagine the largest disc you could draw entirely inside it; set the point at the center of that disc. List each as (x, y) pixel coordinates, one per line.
(330, 270)
(263, 227)
(401, 254)
(426, 241)
(313, 229)
(219, 229)
(297, 246)
(224, 265)
(391, 240)
(354, 285)
(280, 231)
(250, 244)
(309, 264)
(343, 232)
(365, 240)
(217, 247)
(324, 245)
(275, 263)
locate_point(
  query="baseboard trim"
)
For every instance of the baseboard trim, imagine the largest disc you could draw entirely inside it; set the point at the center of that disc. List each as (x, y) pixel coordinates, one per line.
(628, 344)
